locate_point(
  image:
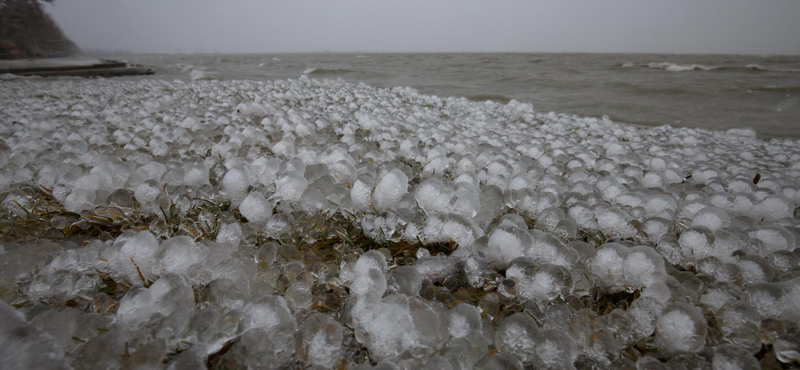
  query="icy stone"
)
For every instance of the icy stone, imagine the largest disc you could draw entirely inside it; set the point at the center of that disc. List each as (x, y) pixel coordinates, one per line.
(643, 267)
(740, 325)
(681, 328)
(255, 208)
(554, 350)
(361, 193)
(712, 218)
(504, 244)
(499, 361)
(178, 254)
(787, 349)
(696, 243)
(320, 340)
(433, 196)
(389, 325)
(136, 257)
(170, 298)
(268, 339)
(731, 358)
(291, 187)
(405, 280)
(390, 189)
(147, 193)
(235, 184)
(517, 335)
(79, 200)
(463, 320)
(539, 284)
(230, 234)
(644, 312)
(609, 264)
(467, 200)
(775, 238)
(24, 346)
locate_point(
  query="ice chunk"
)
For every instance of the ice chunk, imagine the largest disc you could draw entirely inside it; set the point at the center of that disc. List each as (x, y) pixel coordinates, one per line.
(102, 352)
(712, 218)
(467, 200)
(773, 208)
(170, 299)
(539, 284)
(371, 282)
(405, 280)
(321, 340)
(390, 189)
(609, 264)
(730, 357)
(255, 208)
(291, 187)
(504, 244)
(24, 346)
(178, 254)
(230, 234)
(268, 339)
(583, 215)
(434, 196)
(79, 200)
(499, 361)
(390, 327)
(696, 243)
(361, 193)
(644, 312)
(555, 350)
(681, 328)
(463, 320)
(147, 193)
(517, 335)
(614, 223)
(136, 257)
(643, 267)
(775, 238)
(740, 325)
(235, 184)
(451, 227)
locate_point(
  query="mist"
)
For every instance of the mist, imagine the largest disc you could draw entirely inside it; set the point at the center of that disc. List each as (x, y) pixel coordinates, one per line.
(254, 26)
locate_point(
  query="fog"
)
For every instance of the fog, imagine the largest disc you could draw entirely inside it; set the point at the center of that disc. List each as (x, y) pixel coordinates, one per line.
(191, 26)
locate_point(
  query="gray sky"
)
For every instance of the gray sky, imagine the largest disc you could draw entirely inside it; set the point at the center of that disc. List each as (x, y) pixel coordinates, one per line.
(228, 26)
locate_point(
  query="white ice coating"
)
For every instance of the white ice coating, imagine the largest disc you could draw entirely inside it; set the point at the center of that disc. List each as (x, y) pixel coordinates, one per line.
(218, 182)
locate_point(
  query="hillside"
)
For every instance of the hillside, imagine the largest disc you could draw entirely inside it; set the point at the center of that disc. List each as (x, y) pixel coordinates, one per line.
(26, 30)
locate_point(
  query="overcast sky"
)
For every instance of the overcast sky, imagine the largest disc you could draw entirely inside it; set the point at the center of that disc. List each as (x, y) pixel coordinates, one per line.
(266, 26)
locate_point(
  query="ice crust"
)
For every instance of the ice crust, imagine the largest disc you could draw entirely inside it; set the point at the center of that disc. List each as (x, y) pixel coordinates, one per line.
(577, 241)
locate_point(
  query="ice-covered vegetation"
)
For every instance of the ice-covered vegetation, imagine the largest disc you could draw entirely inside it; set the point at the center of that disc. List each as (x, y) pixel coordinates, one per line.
(304, 223)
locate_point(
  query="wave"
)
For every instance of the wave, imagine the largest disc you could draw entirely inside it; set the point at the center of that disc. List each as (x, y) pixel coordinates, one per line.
(779, 89)
(321, 71)
(202, 74)
(756, 67)
(675, 67)
(493, 97)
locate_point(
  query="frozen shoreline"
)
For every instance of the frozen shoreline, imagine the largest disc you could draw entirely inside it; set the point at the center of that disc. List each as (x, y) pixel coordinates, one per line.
(546, 210)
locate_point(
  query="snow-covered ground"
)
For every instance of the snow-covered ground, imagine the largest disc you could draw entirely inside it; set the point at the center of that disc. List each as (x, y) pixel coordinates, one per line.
(580, 242)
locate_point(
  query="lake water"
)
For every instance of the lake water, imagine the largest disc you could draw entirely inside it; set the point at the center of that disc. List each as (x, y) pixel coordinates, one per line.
(708, 91)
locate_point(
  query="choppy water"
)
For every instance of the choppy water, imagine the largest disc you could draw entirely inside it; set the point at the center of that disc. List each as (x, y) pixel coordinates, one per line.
(708, 91)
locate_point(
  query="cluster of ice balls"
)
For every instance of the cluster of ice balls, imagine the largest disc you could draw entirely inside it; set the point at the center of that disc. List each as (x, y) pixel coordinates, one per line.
(549, 211)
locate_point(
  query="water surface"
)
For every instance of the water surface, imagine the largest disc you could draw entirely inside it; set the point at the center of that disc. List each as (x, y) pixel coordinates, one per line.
(707, 91)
